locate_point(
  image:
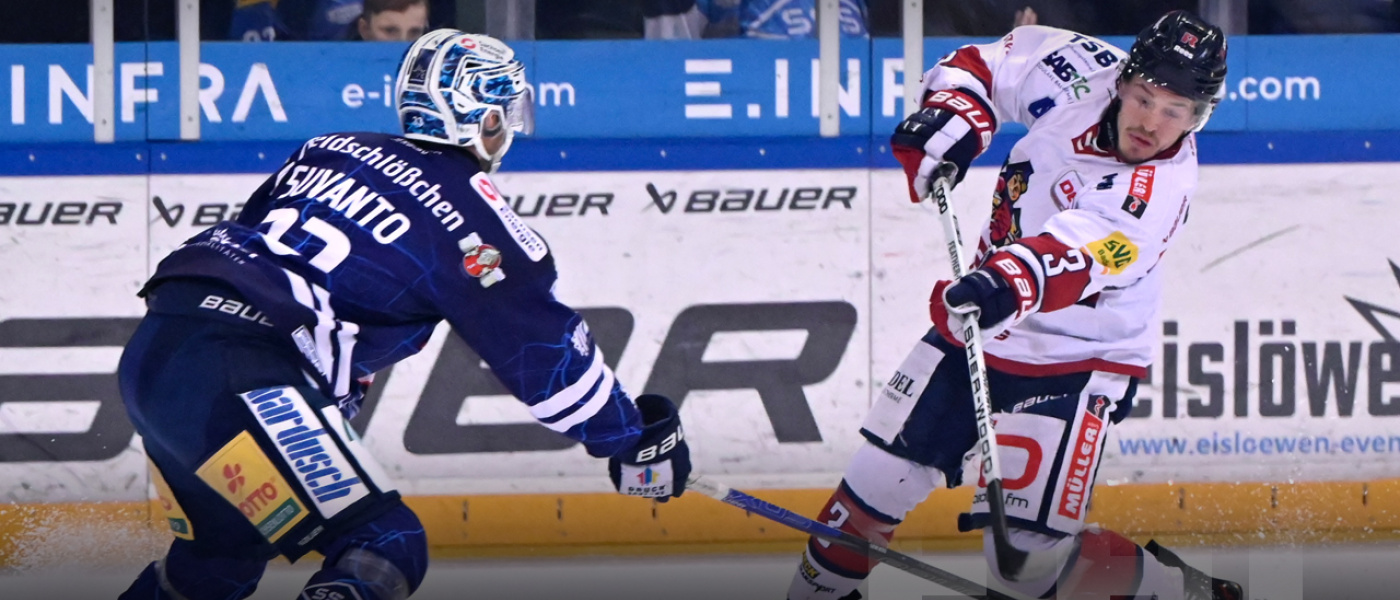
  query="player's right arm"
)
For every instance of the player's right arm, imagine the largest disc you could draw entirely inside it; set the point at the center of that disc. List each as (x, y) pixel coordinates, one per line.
(970, 93)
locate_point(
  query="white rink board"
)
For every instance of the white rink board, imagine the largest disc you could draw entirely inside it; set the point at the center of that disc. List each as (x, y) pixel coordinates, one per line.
(1274, 244)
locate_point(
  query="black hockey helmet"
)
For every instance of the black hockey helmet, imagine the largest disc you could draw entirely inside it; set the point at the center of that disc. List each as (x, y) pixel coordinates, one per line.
(1184, 54)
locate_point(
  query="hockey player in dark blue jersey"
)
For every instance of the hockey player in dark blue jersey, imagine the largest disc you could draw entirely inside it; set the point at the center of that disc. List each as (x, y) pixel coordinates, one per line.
(261, 333)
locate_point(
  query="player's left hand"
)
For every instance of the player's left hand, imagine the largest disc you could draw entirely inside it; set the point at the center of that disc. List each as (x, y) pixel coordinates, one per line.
(659, 465)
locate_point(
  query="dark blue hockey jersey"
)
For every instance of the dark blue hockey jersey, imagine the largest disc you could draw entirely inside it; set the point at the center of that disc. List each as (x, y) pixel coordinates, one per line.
(363, 242)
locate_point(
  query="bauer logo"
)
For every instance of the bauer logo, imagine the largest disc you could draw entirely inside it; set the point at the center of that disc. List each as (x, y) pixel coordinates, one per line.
(751, 199)
(324, 472)
(244, 476)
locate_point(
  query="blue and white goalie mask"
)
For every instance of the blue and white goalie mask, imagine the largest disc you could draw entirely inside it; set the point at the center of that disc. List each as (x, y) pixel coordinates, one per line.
(459, 88)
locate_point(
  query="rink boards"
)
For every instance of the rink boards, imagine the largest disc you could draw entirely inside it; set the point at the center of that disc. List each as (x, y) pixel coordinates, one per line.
(773, 304)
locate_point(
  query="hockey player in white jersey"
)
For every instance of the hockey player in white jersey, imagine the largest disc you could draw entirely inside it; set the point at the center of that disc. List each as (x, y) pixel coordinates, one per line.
(1068, 293)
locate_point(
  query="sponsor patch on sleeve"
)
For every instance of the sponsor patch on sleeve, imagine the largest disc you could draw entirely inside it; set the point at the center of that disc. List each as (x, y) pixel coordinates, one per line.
(1114, 252)
(246, 477)
(528, 240)
(1139, 191)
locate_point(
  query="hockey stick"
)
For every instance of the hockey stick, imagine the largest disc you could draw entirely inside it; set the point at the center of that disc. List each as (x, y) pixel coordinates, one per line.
(1010, 559)
(898, 560)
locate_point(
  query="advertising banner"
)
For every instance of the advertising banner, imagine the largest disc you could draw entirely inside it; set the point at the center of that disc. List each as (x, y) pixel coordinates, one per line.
(626, 89)
(772, 305)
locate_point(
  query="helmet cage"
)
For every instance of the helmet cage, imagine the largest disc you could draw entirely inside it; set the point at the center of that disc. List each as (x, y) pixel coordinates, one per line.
(449, 84)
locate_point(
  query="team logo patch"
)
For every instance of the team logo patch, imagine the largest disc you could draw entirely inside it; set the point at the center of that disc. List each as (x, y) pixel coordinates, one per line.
(1189, 39)
(246, 477)
(174, 515)
(1114, 252)
(528, 240)
(481, 260)
(322, 469)
(1006, 216)
(1139, 191)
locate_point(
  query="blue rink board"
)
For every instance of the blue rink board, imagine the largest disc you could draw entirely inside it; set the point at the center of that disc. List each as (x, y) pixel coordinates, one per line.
(681, 154)
(626, 89)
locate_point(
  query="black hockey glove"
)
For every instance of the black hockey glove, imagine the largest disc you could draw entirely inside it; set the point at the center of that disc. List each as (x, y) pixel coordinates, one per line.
(1003, 291)
(953, 126)
(984, 291)
(659, 465)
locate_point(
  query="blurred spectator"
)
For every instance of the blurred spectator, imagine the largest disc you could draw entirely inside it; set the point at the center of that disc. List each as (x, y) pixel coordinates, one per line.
(273, 20)
(672, 20)
(1323, 16)
(991, 18)
(392, 20)
(1025, 16)
(587, 19)
(765, 19)
(68, 21)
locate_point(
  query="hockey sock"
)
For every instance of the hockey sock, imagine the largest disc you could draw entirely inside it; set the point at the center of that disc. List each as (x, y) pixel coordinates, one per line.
(186, 575)
(1109, 565)
(384, 559)
(829, 571)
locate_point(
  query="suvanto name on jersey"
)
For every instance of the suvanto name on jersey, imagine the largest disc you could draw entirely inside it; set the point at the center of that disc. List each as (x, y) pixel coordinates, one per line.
(322, 469)
(331, 186)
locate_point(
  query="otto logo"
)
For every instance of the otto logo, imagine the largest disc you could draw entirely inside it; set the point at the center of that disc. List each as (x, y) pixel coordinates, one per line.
(234, 477)
(259, 499)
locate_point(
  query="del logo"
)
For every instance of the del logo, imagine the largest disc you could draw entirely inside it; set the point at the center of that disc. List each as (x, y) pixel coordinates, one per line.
(646, 477)
(324, 472)
(1139, 191)
(1114, 252)
(247, 479)
(481, 260)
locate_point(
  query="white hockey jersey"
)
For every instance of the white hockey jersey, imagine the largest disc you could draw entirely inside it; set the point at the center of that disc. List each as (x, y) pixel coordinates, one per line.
(1064, 179)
